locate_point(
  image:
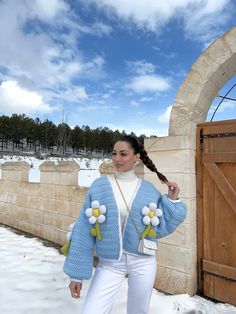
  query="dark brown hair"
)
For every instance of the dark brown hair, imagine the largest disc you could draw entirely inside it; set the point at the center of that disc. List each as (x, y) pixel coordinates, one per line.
(139, 149)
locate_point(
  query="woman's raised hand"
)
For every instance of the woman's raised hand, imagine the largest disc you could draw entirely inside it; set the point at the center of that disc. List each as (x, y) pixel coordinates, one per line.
(173, 190)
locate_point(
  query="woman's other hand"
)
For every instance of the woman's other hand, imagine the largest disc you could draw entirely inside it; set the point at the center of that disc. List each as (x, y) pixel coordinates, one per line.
(75, 288)
(173, 190)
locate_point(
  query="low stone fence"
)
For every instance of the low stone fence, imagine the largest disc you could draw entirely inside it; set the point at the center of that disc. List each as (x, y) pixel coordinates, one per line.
(47, 208)
(44, 209)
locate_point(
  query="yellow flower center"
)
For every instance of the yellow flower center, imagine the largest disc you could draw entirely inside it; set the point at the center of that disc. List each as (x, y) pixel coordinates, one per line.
(151, 214)
(96, 212)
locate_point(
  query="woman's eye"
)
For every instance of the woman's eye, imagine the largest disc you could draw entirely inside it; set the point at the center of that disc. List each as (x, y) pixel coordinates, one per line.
(122, 154)
(113, 154)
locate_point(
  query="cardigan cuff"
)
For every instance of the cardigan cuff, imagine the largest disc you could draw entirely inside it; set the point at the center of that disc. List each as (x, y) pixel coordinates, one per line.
(76, 280)
(174, 201)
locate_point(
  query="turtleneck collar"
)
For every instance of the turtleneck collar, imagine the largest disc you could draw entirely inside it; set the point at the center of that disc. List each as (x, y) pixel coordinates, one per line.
(126, 176)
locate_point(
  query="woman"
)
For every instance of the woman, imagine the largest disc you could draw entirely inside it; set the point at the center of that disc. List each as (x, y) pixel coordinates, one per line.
(118, 211)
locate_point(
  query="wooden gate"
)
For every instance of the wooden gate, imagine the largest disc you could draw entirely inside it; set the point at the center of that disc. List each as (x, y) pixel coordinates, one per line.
(216, 210)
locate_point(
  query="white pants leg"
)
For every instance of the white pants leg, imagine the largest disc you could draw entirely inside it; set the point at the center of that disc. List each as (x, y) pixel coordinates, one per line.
(141, 278)
(108, 278)
(104, 286)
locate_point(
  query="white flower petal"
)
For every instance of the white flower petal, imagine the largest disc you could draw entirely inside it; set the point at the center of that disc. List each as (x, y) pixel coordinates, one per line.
(146, 220)
(95, 204)
(101, 219)
(71, 226)
(145, 210)
(155, 221)
(92, 220)
(158, 212)
(102, 209)
(68, 236)
(89, 212)
(153, 206)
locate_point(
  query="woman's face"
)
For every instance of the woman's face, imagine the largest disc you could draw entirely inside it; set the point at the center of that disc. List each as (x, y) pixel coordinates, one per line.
(123, 156)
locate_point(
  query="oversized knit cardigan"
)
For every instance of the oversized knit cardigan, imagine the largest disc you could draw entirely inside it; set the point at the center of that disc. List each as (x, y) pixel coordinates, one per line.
(79, 262)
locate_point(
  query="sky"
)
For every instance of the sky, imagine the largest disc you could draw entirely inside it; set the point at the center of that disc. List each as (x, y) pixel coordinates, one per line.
(106, 63)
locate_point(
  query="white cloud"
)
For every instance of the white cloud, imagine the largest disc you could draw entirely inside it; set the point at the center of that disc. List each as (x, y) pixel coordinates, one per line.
(149, 83)
(97, 28)
(165, 116)
(47, 10)
(141, 67)
(225, 105)
(45, 58)
(15, 99)
(134, 103)
(203, 20)
(146, 99)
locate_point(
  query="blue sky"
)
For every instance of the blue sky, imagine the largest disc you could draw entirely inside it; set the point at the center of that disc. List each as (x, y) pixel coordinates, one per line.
(115, 63)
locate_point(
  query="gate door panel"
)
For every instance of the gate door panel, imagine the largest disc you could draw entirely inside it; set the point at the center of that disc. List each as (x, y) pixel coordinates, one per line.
(216, 210)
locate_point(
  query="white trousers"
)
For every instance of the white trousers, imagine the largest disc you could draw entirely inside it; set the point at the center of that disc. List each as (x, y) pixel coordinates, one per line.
(108, 277)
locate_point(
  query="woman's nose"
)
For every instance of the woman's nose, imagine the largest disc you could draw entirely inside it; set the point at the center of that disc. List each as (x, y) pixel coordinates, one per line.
(117, 157)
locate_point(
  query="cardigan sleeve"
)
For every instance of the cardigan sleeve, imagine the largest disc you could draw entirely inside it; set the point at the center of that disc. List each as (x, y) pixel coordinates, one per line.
(79, 262)
(173, 215)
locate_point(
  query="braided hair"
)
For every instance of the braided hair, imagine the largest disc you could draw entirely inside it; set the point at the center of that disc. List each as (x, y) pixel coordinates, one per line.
(139, 149)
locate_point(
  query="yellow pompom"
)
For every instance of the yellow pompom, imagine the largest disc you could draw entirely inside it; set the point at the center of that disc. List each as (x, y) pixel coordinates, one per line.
(151, 214)
(93, 232)
(65, 249)
(96, 212)
(151, 233)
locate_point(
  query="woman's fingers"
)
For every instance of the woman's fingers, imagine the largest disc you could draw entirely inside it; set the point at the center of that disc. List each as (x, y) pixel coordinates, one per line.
(75, 288)
(173, 190)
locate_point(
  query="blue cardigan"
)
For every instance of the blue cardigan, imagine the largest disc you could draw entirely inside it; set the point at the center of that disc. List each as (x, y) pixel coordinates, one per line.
(79, 262)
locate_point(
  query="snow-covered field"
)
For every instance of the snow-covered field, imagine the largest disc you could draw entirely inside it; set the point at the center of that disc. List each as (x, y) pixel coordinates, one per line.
(32, 282)
(89, 168)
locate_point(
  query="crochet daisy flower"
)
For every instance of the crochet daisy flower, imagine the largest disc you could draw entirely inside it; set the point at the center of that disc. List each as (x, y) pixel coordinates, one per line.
(151, 214)
(96, 216)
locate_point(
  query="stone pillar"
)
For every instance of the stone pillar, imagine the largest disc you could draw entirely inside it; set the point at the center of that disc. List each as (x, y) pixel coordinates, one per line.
(15, 171)
(174, 156)
(59, 173)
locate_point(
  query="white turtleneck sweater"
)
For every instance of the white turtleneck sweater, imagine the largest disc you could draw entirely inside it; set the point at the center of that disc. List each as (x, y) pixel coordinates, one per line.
(129, 184)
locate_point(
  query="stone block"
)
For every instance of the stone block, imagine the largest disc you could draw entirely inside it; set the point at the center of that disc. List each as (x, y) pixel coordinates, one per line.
(15, 171)
(106, 167)
(177, 258)
(74, 209)
(186, 182)
(169, 143)
(46, 204)
(61, 207)
(191, 210)
(174, 161)
(205, 66)
(175, 282)
(61, 173)
(229, 37)
(184, 236)
(219, 51)
(29, 188)
(46, 191)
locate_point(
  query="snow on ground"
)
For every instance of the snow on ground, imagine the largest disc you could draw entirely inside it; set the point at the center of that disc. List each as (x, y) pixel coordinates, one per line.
(32, 282)
(89, 168)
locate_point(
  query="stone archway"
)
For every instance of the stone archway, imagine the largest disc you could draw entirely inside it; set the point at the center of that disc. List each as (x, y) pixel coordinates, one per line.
(215, 66)
(175, 156)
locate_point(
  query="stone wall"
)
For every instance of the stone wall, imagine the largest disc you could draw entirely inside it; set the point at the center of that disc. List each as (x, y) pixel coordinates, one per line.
(175, 157)
(44, 209)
